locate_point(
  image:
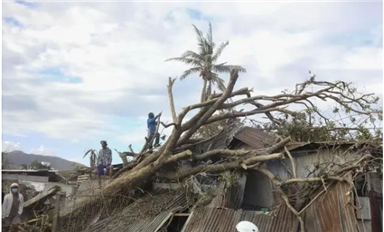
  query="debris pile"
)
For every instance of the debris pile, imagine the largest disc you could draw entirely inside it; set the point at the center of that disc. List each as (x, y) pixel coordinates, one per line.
(282, 179)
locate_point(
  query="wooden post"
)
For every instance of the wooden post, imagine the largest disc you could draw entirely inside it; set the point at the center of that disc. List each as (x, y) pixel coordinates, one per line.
(59, 204)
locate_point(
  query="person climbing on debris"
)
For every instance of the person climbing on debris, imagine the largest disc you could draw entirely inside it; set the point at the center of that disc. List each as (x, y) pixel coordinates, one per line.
(152, 126)
(104, 161)
(12, 206)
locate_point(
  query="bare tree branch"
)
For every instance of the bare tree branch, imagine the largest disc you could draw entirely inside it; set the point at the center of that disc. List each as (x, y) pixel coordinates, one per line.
(170, 95)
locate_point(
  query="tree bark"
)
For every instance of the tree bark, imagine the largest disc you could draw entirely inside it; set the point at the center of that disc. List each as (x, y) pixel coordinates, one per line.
(171, 102)
(209, 90)
(149, 164)
(214, 168)
(203, 91)
(130, 179)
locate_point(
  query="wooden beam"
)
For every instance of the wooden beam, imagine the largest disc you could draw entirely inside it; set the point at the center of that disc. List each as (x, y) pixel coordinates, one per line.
(181, 214)
(60, 199)
(41, 197)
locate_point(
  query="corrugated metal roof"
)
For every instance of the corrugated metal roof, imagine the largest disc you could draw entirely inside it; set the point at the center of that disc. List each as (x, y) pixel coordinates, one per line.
(294, 145)
(233, 197)
(217, 142)
(152, 224)
(219, 220)
(28, 171)
(256, 138)
(128, 219)
(332, 212)
(315, 145)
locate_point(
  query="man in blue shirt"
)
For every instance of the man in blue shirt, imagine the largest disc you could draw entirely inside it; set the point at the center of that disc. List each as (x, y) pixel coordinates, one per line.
(152, 125)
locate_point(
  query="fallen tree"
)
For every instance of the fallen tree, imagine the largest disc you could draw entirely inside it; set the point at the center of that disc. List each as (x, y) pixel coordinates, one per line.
(147, 165)
(340, 92)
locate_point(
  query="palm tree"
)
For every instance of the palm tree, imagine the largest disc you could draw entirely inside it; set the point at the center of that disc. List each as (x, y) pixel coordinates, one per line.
(92, 157)
(204, 62)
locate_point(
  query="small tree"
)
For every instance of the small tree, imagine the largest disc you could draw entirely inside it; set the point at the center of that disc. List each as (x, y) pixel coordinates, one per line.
(92, 157)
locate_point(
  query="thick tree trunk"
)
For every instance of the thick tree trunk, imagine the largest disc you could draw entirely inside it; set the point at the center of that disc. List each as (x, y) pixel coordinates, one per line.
(130, 179)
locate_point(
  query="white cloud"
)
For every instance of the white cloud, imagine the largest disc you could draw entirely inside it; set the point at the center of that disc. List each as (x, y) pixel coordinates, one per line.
(118, 50)
(8, 146)
(42, 150)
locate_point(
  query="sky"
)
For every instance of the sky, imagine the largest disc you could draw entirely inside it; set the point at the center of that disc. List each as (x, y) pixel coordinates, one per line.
(75, 73)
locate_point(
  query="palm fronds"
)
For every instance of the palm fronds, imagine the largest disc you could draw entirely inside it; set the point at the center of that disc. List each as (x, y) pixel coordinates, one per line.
(92, 157)
(204, 62)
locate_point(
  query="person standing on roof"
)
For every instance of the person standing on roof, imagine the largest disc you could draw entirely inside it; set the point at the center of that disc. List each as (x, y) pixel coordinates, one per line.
(152, 126)
(104, 161)
(12, 206)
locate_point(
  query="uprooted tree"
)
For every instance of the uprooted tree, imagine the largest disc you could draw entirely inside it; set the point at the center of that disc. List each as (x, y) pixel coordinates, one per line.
(176, 148)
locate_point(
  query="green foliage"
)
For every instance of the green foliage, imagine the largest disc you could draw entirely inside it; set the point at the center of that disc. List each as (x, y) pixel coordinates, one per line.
(303, 129)
(37, 166)
(356, 116)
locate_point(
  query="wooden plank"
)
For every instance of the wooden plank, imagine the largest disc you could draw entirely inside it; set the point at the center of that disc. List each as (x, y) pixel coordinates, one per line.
(60, 197)
(42, 197)
(181, 214)
(82, 178)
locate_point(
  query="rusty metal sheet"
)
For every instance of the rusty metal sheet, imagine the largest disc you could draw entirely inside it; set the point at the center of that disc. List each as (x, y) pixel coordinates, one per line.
(127, 220)
(280, 220)
(256, 138)
(225, 220)
(152, 224)
(376, 203)
(233, 197)
(333, 211)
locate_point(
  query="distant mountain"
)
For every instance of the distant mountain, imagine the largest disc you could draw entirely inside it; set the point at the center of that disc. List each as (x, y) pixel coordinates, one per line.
(18, 158)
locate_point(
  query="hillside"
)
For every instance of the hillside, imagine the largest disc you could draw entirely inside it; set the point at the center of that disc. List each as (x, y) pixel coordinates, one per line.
(18, 158)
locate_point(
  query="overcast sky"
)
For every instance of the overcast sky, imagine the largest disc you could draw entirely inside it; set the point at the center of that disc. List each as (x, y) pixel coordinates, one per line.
(78, 73)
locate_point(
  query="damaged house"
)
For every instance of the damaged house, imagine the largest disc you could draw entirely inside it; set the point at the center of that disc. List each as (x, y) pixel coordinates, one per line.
(243, 173)
(217, 202)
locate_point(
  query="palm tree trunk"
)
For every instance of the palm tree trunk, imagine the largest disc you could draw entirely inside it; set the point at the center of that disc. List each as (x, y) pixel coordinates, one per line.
(209, 90)
(203, 91)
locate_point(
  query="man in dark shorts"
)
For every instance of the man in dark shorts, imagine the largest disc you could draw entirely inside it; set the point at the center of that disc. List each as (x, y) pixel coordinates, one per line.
(104, 161)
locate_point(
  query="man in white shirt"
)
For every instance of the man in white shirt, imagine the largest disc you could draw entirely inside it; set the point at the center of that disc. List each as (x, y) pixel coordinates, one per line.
(104, 161)
(12, 206)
